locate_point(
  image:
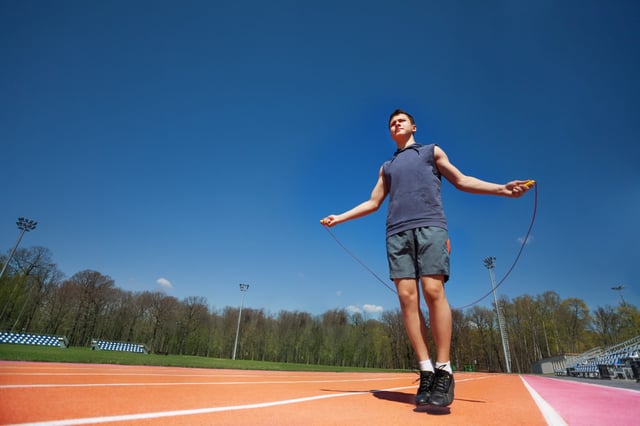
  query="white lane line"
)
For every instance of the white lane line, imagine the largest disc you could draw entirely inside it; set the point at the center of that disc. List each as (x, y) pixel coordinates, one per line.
(175, 413)
(170, 374)
(160, 414)
(138, 374)
(548, 412)
(272, 382)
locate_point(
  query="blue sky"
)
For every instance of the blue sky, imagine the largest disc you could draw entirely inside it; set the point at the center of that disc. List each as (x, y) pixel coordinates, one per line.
(197, 144)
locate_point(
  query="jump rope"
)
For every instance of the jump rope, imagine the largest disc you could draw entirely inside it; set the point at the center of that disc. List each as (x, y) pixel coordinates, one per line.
(528, 184)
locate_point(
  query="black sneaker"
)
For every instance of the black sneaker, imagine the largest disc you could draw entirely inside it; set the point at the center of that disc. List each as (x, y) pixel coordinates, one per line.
(442, 388)
(424, 390)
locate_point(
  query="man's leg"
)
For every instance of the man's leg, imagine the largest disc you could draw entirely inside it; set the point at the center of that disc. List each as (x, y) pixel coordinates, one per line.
(414, 322)
(439, 315)
(416, 328)
(441, 326)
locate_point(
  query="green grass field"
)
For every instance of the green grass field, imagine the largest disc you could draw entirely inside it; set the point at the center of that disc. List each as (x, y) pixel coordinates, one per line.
(16, 352)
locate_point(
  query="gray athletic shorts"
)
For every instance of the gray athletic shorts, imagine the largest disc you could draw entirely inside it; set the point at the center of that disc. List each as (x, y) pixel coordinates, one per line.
(418, 252)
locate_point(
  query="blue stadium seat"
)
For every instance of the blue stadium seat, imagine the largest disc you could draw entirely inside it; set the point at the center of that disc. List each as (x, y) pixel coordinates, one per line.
(32, 339)
(102, 345)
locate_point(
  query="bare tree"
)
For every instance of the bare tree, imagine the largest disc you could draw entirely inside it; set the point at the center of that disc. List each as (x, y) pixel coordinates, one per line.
(607, 325)
(402, 353)
(574, 323)
(95, 291)
(549, 306)
(33, 275)
(193, 316)
(164, 314)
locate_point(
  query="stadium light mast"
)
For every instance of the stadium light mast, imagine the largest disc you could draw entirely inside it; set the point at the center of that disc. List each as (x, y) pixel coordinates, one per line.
(489, 263)
(24, 225)
(243, 290)
(619, 288)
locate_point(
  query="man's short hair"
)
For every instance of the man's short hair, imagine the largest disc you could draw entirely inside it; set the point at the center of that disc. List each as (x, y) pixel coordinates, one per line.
(398, 112)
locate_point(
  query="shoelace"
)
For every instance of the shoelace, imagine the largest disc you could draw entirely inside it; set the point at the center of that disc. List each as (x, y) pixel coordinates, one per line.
(442, 380)
(425, 381)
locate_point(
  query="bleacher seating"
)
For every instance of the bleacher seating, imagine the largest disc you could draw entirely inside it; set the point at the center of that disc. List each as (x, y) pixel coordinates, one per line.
(33, 339)
(102, 345)
(587, 370)
(614, 362)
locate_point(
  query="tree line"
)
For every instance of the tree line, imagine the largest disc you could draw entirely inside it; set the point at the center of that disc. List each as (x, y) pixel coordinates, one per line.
(36, 297)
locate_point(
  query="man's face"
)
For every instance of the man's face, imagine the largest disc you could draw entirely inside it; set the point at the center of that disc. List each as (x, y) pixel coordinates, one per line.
(400, 126)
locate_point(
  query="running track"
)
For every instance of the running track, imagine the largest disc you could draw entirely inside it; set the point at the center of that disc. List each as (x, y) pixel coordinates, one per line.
(74, 394)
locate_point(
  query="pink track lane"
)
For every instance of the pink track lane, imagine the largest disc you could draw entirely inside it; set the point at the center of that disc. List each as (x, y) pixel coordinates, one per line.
(588, 404)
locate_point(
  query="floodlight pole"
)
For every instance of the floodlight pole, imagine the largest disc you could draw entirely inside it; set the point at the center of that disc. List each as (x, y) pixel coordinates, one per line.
(619, 288)
(24, 225)
(243, 290)
(489, 263)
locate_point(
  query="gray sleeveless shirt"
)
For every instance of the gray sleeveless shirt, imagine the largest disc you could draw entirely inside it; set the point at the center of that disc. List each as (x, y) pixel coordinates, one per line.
(414, 185)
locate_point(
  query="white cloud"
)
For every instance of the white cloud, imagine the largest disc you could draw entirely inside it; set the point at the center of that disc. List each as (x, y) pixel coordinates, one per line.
(372, 309)
(354, 309)
(339, 293)
(364, 309)
(164, 283)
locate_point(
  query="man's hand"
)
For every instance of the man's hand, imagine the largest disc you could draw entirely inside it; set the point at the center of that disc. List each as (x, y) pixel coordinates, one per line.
(329, 220)
(518, 188)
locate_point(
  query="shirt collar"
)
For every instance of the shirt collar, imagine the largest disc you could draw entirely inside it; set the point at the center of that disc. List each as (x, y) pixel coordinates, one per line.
(415, 146)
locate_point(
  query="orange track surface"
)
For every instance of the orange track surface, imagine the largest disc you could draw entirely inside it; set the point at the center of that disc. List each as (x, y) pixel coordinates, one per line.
(63, 394)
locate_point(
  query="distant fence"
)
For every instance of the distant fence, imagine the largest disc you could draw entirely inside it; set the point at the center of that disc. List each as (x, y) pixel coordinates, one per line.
(33, 339)
(103, 345)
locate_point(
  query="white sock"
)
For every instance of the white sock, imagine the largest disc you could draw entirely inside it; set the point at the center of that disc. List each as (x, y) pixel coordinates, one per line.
(426, 365)
(446, 366)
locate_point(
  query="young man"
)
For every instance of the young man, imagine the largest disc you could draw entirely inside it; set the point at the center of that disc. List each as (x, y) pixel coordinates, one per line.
(418, 244)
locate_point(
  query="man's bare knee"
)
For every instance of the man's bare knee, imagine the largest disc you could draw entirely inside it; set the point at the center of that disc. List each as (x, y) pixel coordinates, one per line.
(433, 287)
